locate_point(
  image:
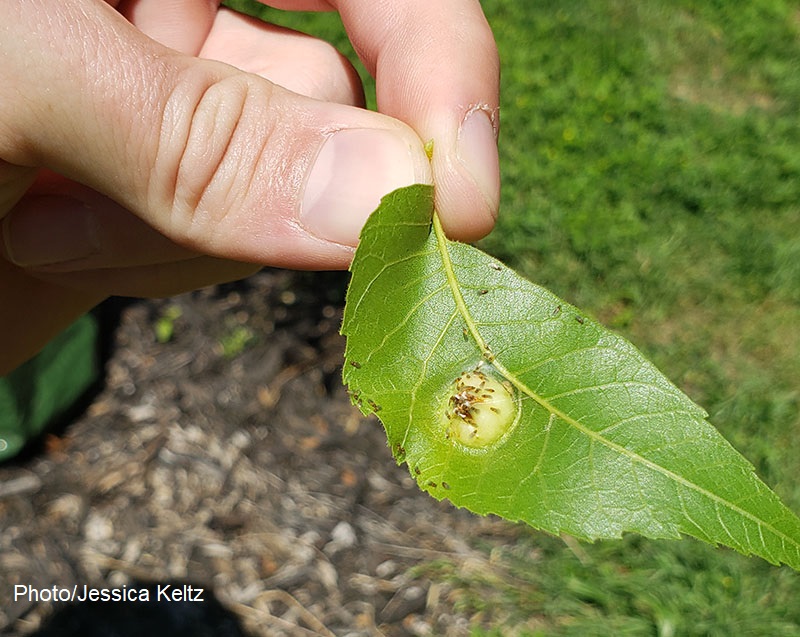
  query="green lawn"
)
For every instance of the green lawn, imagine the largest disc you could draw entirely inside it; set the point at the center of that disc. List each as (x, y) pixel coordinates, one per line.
(651, 175)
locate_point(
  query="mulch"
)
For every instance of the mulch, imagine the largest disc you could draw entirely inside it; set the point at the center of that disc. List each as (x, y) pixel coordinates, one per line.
(229, 457)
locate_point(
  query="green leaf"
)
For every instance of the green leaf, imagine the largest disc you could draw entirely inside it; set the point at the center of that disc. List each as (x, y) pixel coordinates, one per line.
(43, 389)
(598, 442)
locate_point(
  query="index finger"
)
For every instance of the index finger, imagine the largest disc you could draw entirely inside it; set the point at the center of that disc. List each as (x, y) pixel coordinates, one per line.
(436, 68)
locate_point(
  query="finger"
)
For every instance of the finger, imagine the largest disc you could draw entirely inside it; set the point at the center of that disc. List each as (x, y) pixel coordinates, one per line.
(293, 60)
(220, 161)
(179, 24)
(62, 226)
(436, 68)
(126, 257)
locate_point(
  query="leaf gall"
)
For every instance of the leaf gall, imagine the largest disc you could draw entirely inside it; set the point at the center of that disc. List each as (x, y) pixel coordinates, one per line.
(479, 409)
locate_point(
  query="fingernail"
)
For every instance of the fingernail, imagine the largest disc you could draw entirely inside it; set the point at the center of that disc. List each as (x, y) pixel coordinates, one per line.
(354, 169)
(49, 230)
(477, 151)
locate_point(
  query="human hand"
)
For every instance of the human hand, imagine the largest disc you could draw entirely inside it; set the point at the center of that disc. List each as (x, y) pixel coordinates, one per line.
(133, 162)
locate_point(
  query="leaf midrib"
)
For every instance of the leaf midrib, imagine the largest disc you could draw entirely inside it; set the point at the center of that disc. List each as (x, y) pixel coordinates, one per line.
(486, 353)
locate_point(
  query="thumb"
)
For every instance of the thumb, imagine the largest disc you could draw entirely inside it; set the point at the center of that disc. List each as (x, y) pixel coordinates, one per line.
(220, 161)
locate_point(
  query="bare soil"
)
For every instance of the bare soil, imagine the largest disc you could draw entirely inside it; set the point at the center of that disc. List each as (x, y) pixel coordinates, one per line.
(230, 457)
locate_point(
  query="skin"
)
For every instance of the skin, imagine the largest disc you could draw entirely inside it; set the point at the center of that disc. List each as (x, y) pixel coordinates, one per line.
(149, 147)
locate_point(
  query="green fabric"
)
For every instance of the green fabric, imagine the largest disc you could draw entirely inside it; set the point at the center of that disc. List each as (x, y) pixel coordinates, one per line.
(41, 390)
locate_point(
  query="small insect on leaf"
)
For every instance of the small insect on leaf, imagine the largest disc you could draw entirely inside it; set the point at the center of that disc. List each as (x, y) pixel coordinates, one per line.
(479, 409)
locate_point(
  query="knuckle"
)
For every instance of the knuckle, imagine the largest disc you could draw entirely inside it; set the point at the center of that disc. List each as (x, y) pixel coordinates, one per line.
(214, 131)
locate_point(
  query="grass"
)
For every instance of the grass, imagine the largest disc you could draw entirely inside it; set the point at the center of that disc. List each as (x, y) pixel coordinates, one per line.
(651, 175)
